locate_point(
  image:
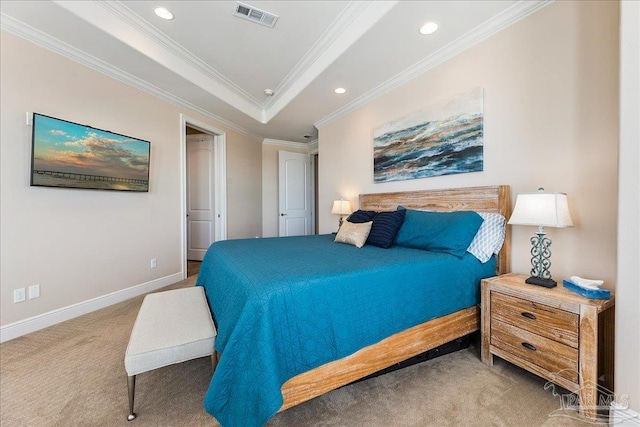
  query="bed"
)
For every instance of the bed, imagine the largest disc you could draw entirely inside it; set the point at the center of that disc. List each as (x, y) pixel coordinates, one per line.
(331, 314)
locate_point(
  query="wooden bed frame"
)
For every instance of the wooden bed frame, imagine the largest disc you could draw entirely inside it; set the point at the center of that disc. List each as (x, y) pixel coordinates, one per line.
(411, 342)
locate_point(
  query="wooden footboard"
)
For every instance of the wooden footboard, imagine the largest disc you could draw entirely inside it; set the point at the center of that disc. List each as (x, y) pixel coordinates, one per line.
(411, 342)
(376, 357)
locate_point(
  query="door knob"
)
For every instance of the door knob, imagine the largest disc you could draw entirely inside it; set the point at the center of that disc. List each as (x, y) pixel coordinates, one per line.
(283, 214)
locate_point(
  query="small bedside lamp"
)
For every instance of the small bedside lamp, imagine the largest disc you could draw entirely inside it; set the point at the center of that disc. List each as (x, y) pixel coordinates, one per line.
(544, 210)
(342, 208)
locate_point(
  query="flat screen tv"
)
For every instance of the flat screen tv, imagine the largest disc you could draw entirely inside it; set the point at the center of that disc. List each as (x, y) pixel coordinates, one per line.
(71, 155)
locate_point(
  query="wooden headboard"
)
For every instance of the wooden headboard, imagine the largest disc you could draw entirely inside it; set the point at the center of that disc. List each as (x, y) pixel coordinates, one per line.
(484, 199)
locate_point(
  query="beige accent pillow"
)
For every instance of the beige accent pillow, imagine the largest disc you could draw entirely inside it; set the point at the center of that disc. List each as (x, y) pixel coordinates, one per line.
(353, 234)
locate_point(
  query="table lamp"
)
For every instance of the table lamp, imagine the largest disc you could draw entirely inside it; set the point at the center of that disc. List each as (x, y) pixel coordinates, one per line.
(342, 208)
(543, 210)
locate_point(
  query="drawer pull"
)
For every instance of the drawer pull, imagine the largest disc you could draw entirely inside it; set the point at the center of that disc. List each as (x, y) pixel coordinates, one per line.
(528, 315)
(529, 346)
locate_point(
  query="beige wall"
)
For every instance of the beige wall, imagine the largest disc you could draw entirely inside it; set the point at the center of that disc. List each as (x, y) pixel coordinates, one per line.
(82, 244)
(244, 188)
(551, 119)
(270, 208)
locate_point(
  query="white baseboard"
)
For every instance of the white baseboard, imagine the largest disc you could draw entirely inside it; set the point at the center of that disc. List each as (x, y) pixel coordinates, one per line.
(623, 417)
(41, 321)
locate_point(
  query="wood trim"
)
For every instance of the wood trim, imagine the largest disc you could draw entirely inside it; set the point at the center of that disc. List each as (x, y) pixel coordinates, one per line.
(588, 365)
(559, 297)
(396, 348)
(485, 354)
(425, 336)
(495, 198)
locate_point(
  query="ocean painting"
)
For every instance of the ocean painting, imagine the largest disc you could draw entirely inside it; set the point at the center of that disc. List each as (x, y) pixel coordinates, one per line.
(444, 139)
(71, 155)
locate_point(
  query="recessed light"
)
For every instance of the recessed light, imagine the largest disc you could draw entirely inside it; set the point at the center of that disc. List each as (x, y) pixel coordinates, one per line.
(340, 90)
(429, 28)
(163, 13)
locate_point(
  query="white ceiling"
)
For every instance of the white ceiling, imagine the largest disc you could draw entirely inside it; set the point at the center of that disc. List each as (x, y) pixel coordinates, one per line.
(208, 60)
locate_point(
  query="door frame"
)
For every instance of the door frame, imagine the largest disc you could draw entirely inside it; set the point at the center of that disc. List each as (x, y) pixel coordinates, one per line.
(220, 171)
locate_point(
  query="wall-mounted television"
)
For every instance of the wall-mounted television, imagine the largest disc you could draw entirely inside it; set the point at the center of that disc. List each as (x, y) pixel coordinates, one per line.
(71, 155)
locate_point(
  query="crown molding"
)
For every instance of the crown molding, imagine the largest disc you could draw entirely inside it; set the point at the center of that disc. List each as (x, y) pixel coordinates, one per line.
(39, 38)
(483, 31)
(120, 10)
(310, 147)
(354, 21)
(122, 23)
(282, 143)
(112, 18)
(313, 147)
(340, 24)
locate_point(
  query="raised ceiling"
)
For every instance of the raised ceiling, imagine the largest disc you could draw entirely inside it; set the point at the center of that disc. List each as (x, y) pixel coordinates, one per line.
(213, 62)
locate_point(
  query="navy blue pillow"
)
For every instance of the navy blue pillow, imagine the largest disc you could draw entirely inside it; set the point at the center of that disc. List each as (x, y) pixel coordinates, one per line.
(361, 216)
(384, 228)
(448, 232)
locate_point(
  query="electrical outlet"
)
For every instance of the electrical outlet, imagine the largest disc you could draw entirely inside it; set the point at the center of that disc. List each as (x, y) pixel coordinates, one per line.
(154, 264)
(18, 295)
(34, 291)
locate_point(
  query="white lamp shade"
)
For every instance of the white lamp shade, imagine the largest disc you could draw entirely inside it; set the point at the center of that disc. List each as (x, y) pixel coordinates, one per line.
(542, 209)
(341, 207)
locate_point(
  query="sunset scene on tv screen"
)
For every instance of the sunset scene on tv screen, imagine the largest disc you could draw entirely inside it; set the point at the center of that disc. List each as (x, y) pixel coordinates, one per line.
(71, 155)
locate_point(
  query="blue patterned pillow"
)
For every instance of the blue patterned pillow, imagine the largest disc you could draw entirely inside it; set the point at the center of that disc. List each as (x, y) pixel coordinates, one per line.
(361, 216)
(489, 238)
(448, 232)
(385, 226)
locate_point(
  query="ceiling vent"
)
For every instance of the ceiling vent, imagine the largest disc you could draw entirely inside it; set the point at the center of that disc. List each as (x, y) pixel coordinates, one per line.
(254, 14)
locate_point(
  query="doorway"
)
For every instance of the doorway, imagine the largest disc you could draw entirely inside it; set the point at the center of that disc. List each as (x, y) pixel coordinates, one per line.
(201, 205)
(295, 188)
(203, 190)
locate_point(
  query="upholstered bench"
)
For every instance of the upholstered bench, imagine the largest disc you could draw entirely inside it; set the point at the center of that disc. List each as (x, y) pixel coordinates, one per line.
(171, 327)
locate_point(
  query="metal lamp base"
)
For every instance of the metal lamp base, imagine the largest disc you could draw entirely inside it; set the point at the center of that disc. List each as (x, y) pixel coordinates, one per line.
(541, 261)
(539, 281)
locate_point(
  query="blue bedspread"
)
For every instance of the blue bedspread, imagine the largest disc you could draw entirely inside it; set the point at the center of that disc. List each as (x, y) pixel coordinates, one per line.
(286, 305)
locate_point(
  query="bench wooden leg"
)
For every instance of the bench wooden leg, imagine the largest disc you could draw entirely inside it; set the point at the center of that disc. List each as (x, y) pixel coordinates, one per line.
(131, 386)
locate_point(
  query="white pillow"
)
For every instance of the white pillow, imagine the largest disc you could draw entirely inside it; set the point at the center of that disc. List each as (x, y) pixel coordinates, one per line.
(353, 234)
(490, 236)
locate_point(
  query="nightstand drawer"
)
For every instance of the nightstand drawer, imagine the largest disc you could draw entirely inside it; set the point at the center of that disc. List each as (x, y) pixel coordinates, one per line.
(549, 322)
(552, 356)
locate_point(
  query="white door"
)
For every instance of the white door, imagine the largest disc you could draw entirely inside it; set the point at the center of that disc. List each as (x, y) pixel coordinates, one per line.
(200, 196)
(294, 193)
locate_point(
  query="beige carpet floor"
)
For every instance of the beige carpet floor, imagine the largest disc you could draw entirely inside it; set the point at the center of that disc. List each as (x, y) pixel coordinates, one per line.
(72, 374)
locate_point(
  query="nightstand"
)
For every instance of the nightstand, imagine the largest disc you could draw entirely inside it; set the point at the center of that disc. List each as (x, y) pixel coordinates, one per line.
(554, 333)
